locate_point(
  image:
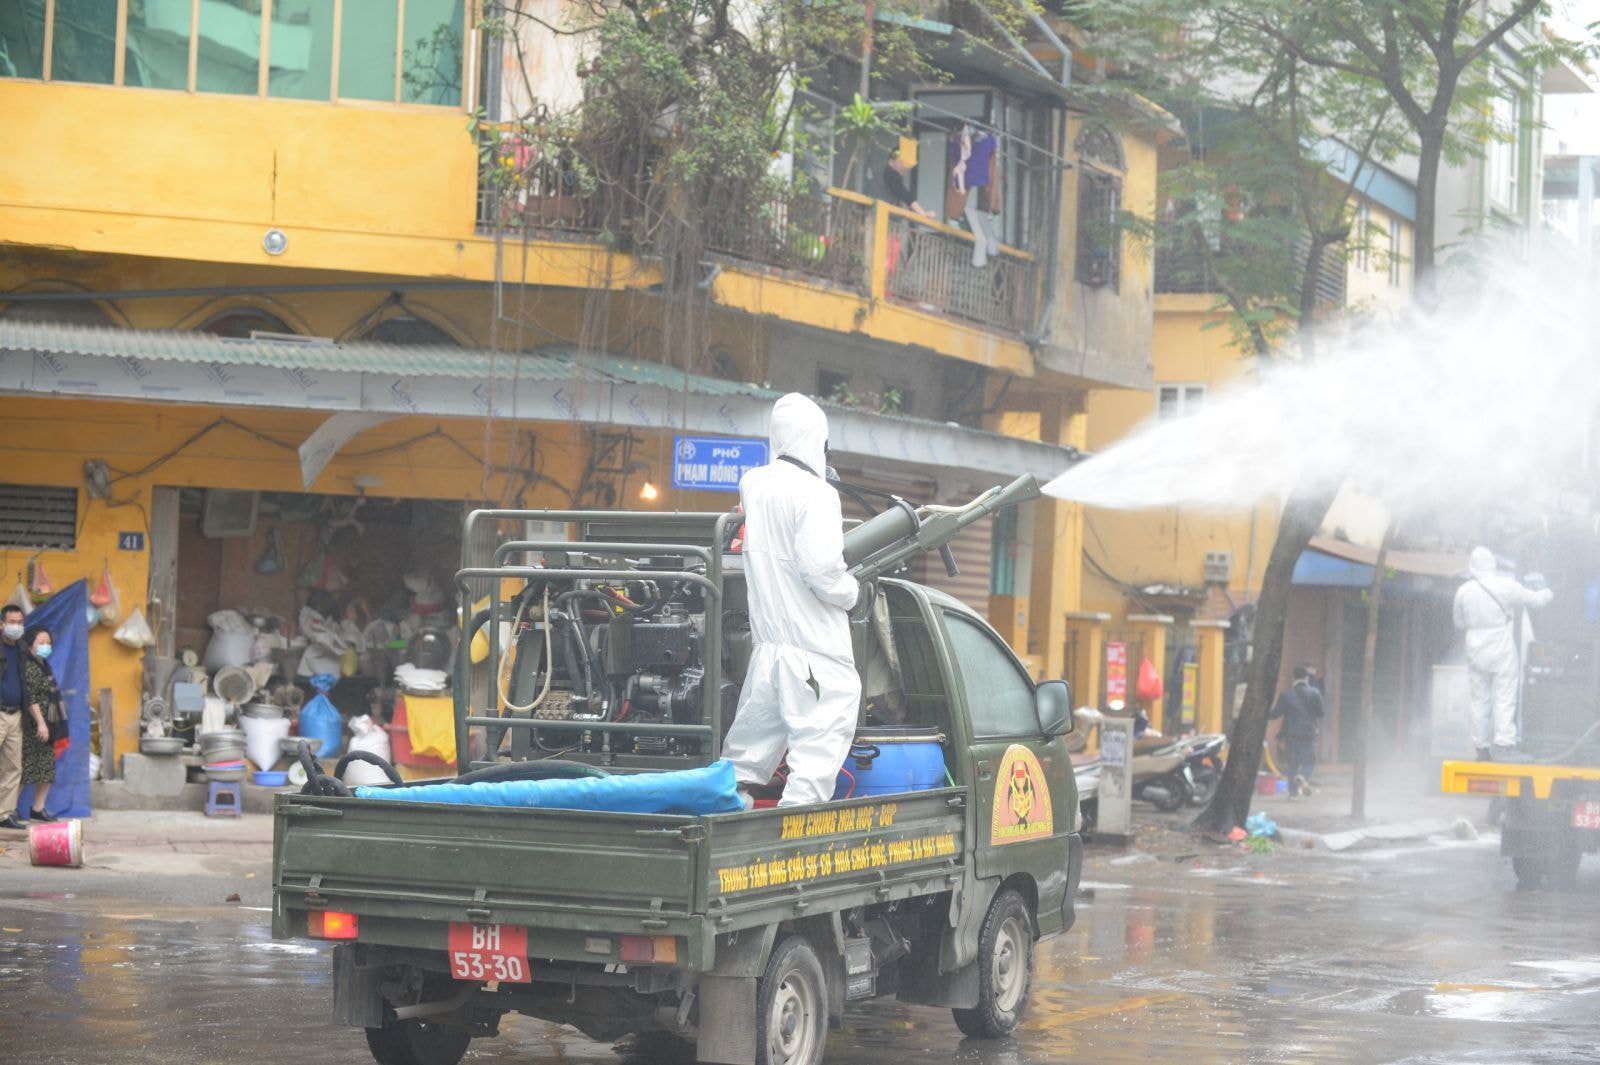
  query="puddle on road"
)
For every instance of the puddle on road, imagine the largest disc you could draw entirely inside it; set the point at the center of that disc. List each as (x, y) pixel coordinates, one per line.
(282, 948)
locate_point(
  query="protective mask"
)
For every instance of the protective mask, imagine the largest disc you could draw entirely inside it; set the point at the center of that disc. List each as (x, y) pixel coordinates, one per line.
(12, 632)
(43, 652)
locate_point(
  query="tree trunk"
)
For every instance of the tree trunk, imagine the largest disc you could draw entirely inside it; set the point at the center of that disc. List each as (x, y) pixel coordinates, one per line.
(1430, 151)
(1302, 517)
(1369, 662)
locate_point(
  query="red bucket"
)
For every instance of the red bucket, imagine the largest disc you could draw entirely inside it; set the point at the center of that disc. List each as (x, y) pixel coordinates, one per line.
(56, 844)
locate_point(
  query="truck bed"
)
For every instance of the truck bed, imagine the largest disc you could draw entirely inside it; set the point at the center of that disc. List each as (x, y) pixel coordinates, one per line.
(408, 869)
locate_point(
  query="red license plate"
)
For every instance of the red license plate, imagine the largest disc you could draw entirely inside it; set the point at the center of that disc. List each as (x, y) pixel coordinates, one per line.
(489, 952)
(1586, 814)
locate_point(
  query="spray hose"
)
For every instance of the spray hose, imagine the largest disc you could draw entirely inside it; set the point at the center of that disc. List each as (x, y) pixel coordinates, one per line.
(549, 661)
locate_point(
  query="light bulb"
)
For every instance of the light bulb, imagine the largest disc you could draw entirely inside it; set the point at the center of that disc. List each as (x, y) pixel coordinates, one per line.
(648, 492)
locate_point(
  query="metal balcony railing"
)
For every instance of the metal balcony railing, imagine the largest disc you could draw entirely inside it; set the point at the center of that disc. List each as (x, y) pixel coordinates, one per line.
(824, 236)
(828, 237)
(1181, 268)
(931, 267)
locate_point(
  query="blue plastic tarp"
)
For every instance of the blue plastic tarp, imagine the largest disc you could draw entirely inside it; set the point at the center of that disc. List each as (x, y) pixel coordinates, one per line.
(711, 790)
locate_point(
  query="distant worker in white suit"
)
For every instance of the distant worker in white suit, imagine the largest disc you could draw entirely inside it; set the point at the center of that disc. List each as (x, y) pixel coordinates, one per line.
(1486, 610)
(802, 693)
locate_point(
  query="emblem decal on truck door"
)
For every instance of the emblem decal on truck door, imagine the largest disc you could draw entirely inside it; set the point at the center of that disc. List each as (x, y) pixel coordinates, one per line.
(1021, 799)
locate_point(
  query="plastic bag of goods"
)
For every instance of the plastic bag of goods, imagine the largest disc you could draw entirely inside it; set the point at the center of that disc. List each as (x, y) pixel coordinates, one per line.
(262, 736)
(320, 724)
(367, 735)
(135, 632)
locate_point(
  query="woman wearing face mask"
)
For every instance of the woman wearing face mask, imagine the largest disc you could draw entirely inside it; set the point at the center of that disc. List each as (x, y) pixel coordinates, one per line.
(44, 705)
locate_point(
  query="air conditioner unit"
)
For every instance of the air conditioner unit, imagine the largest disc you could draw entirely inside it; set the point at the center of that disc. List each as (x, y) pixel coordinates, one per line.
(1219, 567)
(228, 513)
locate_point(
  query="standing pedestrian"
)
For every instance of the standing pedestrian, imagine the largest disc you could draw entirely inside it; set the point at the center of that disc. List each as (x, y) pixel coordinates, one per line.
(13, 693)
(1300, 707)
(1485, 612)
(47, 724)
(802, 692)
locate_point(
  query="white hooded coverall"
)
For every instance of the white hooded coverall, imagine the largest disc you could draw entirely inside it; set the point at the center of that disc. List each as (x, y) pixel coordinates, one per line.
(802, 692)
(1485, 612)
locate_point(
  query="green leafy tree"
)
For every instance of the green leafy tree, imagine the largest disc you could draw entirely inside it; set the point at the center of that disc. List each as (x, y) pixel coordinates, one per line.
(1429, 57)
(1254, 214)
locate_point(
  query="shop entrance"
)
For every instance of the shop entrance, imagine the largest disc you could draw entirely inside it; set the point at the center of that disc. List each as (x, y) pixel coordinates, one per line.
(287, 585)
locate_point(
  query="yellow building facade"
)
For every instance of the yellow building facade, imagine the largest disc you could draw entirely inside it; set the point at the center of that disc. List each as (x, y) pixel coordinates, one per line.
(1191, 567)
(307, 186)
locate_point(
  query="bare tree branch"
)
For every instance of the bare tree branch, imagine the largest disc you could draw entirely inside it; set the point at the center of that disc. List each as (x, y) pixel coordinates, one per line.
(1519, 13)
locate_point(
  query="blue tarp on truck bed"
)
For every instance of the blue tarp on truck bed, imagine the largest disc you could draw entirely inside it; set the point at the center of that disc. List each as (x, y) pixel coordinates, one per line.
(710, 790)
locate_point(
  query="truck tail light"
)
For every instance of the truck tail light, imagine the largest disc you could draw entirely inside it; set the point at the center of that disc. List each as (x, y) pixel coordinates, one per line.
(1486, 787)
(642, 950)
(331, 924)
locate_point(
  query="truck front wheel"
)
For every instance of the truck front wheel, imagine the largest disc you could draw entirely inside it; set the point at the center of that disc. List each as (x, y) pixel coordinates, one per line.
(1005, 970)
(791, 1006)
(417, 1042)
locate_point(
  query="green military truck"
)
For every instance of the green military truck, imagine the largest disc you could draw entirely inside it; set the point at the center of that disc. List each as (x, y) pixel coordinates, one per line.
(745, 933)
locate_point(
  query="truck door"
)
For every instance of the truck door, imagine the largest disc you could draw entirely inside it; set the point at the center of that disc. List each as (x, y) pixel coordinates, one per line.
(1023, 790)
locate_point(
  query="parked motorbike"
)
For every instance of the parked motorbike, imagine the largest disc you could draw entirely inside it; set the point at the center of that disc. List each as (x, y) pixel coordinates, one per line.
(1160, 774)
(1203, 767)
(1085, 768)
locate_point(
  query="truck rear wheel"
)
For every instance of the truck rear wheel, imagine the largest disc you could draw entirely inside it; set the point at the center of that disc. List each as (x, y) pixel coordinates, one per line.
(791, 1006)
(1557, 867)
(417, 1042)
(1005, 969)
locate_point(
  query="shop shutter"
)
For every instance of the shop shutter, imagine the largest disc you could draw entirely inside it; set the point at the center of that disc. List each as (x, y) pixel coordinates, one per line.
(38, 517)
(915, 490)
(974, 557)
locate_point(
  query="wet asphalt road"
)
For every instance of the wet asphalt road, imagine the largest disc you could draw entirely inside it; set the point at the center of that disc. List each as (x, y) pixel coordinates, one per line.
(1417, 953)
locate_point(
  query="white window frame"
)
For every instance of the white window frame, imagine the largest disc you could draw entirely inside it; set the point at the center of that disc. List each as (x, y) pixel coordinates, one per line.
(1364, 237)
(1505, 157)
(1396, 252)
(1187, 397)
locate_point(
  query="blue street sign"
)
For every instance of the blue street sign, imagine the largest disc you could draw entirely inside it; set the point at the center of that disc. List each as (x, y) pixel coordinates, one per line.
(714, 463)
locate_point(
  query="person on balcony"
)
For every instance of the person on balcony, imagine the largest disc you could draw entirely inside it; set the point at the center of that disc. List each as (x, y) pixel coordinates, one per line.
(900, 179)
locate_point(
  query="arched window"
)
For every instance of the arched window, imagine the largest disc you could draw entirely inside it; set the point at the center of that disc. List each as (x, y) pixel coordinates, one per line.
(407, 329)
(1097, 144)
(1100, 168)
(65, 312)
(240, 322)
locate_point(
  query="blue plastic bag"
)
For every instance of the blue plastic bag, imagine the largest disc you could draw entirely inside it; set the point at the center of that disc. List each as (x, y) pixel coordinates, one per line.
(711, 790)
(320, 724)
(1259, 824)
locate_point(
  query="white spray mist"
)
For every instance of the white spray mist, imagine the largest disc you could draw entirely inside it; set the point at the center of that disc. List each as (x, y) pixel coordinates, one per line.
(1490, 398)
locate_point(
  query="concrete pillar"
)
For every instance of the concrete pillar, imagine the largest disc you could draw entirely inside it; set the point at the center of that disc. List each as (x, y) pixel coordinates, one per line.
(1151, 631)
(1115, 797)
(1056, 578)
(1009, 616)
(1211, 716)
(1086, 637)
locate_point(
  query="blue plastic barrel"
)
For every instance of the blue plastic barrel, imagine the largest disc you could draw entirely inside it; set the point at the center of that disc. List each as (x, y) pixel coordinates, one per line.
(887, 761)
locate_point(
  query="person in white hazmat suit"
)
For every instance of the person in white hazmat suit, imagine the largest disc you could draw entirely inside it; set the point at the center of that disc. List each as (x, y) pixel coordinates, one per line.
(802, 693)
(1486, 611)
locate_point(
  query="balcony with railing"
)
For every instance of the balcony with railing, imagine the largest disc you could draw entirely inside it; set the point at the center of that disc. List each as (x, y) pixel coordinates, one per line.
(840, 239)
(1183, 267)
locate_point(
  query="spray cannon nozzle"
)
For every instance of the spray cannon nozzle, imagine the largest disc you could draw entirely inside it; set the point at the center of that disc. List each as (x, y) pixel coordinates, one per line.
(883, 542)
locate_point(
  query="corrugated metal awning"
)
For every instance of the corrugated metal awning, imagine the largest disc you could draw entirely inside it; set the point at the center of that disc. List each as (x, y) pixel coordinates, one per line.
(550, 385)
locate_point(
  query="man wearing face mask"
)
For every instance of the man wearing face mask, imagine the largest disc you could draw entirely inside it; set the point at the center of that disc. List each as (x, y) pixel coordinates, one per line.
(13, 693)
